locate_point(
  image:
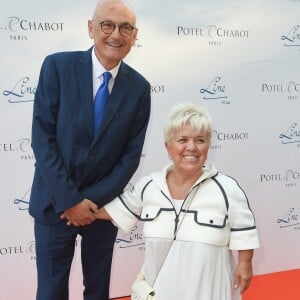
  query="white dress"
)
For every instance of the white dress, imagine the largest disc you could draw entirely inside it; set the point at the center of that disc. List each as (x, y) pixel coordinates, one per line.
(191, 271)
(215, 218)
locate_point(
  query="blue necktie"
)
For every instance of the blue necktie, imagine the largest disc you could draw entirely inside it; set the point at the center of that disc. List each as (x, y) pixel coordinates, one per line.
(101, 100)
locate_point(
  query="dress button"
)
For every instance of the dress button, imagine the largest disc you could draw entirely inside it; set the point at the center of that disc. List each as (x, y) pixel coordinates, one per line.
(147, 215)
(211, 221)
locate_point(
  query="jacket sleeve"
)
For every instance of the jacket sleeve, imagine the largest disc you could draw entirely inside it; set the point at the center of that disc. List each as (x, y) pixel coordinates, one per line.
(241, 220)
(125, 210)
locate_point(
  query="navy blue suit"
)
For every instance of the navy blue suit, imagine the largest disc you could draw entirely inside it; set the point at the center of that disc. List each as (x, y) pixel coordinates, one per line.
(72, 164)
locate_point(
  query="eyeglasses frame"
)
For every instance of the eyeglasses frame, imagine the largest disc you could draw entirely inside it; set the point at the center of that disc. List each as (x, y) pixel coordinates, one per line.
(114, 27)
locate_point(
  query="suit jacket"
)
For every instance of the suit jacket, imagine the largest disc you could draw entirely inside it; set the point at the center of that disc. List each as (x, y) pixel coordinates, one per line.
(71, 164)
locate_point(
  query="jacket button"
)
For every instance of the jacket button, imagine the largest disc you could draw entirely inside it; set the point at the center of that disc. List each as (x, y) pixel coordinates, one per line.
(147, 215)
(211, 221)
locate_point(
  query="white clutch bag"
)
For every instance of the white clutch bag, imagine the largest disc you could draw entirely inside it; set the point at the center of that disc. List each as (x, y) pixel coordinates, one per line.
(141, 290)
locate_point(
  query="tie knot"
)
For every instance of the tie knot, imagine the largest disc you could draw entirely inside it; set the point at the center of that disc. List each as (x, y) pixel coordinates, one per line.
(106, 77)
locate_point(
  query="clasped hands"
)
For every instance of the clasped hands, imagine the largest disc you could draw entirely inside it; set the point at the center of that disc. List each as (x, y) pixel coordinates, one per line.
(81, 214)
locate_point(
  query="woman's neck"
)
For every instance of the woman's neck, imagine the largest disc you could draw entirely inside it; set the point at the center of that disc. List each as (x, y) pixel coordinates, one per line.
(180, 184)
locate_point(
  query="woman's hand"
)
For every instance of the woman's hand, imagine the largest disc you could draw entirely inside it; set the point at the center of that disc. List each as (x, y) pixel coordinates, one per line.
(102, 214)
(243, 273)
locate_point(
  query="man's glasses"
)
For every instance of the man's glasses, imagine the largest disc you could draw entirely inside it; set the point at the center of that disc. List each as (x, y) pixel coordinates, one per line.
(108, 27)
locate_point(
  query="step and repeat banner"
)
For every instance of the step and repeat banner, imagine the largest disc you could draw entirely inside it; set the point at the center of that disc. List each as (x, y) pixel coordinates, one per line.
(239, 59)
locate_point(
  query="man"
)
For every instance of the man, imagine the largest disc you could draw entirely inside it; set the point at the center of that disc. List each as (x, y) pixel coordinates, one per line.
(78, 168)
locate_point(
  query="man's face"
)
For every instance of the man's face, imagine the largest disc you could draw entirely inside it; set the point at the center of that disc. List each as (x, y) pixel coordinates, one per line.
(111, 48)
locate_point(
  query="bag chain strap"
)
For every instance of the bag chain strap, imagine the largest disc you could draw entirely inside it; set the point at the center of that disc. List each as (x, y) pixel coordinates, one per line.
(191, 196)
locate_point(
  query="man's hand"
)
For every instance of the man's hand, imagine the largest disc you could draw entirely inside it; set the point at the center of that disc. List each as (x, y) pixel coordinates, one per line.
(81, 214)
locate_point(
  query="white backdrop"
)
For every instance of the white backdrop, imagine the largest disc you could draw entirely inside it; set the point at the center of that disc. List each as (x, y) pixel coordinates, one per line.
(240, 59)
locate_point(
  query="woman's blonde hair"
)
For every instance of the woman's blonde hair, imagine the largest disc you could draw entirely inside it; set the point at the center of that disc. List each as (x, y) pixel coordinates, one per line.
(184, 113)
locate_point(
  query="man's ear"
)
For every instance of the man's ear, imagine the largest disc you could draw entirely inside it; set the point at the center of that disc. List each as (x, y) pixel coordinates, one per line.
(90, 29)
(134, 37)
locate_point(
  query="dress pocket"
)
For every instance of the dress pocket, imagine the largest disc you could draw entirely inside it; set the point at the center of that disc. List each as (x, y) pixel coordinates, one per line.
(211, 220)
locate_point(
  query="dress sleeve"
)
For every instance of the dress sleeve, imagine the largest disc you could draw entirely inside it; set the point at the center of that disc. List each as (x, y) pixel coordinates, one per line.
(241, 219)
(125, 210)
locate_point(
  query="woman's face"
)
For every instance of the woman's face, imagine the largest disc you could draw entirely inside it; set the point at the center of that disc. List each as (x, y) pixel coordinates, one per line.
(188, 149)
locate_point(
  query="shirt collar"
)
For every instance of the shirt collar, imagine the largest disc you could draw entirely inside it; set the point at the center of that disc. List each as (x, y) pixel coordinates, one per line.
(99, 69)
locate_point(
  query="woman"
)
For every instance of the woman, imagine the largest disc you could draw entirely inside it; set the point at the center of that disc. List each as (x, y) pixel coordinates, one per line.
(207, 211)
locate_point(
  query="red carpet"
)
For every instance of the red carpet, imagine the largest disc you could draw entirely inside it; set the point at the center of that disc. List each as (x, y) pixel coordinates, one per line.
(275, 286)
